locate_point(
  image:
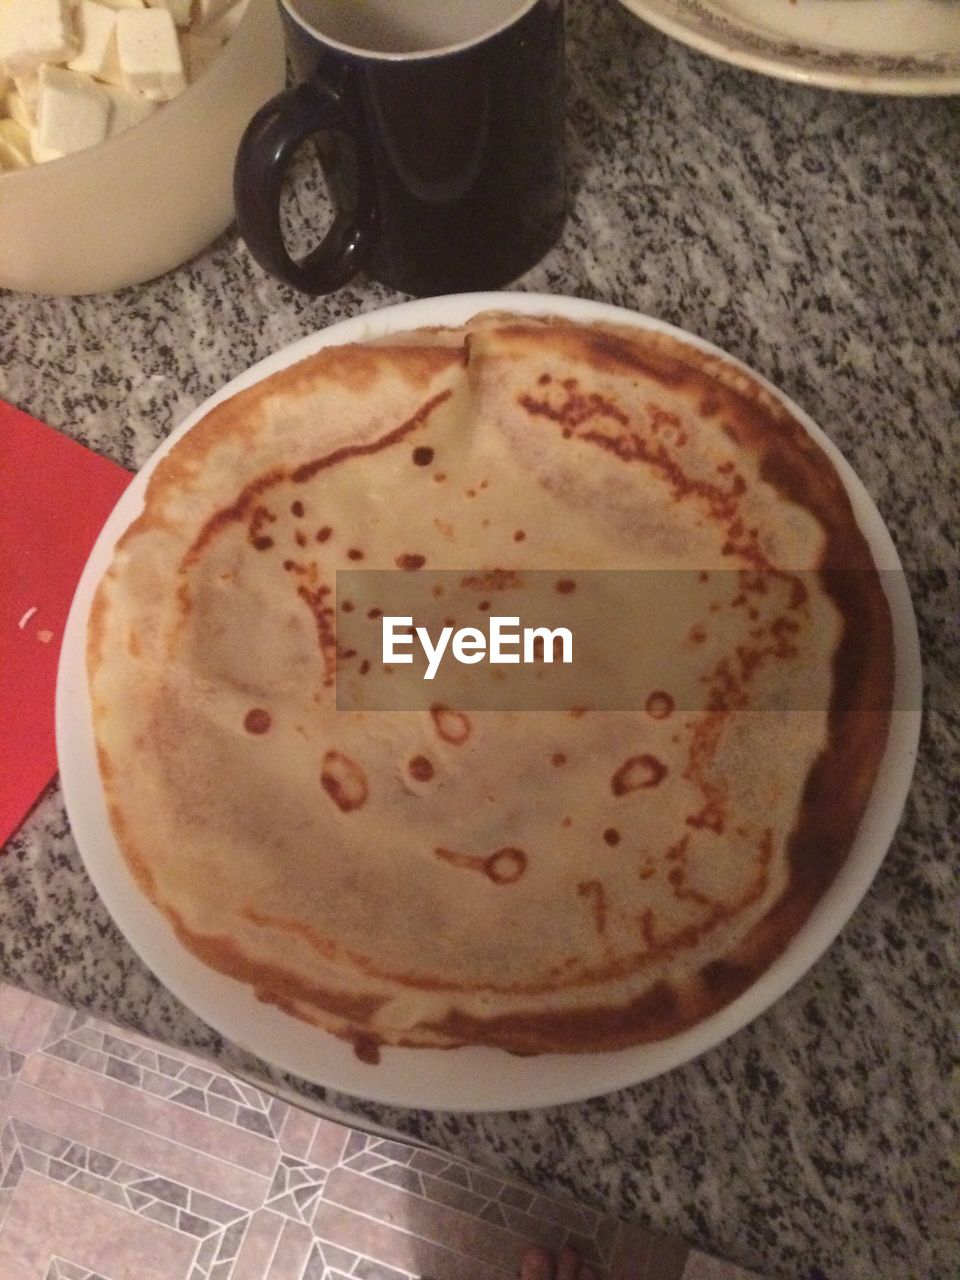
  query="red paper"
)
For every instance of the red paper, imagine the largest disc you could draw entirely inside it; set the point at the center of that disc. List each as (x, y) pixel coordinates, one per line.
(54, 498)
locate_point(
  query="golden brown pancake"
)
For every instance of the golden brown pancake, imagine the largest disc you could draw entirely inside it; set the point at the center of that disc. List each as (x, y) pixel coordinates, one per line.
(562, 880)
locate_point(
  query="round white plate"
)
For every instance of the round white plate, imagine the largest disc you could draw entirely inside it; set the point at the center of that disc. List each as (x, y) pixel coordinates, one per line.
(866, 46)
(474, 1079)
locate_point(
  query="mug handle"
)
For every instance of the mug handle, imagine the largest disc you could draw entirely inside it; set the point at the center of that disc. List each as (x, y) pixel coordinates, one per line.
(266, 149)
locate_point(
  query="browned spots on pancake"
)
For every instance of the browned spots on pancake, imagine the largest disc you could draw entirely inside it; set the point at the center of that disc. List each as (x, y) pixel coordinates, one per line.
(105, 763)
(300, 538)
(697, 634)
(452, 726)
(564, 586)
(612, 836)
(483, 606)
(664, 423)
(519, 535)
(261, 516)
(239, 509)
(566, 822)
(422, 455)
(297, 509)
(229, 515)
(324, 533)
(257, 720)
(677, 878)
(316, 600)
(558, 758)
(440, 477)
(421, 769)
(437, 591)
(712, 815)
(503, 866)
(347, 606)
(574, 407)
(374, 613)
(365, 666)
(632, 444)
(410, 561)
(595, 893)
(310, 469)
(493, 580)
(354, 554)
(659, 705)
(639, 773)
(366, 1048)
(577, 713)
(506, 865)
(677, 851)
(344, 781)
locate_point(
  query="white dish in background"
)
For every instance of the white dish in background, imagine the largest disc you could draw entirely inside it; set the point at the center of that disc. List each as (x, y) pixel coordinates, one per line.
(864, 46)
(472, 1079)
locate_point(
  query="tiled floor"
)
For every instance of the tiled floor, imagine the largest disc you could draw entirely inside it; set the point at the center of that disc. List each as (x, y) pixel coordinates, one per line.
(122, 1160)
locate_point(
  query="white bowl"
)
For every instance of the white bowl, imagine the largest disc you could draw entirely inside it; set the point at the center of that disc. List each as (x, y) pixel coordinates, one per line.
(149, 199)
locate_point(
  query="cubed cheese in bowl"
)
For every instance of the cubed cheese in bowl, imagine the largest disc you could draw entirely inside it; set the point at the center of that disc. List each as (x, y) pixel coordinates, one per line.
(116, 155)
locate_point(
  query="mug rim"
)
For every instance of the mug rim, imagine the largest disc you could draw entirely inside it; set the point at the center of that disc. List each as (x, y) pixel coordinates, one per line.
(414, 55)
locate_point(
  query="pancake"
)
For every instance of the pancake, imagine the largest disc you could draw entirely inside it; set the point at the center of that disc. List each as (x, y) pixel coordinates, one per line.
(562, 879)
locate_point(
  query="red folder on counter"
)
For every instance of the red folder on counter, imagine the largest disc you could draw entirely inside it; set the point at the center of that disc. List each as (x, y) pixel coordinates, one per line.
(55, 495)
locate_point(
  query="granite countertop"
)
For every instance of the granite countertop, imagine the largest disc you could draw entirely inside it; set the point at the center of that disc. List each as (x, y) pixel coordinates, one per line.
(816, 236)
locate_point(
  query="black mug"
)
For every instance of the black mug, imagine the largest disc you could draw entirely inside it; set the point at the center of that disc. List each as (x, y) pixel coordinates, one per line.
(439, 129)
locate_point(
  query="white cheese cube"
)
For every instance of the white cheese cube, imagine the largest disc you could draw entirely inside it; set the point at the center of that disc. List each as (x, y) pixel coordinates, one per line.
(35, 31)
(127, 109)
(179, 9)
(149, 54)
(23, 101)
(16, 109)
(98, 33)
(198, 52)
(74, 114)
(14, 145)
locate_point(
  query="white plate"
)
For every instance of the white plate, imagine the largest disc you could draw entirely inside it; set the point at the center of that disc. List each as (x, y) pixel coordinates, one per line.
(474, 1079)
(868, 46)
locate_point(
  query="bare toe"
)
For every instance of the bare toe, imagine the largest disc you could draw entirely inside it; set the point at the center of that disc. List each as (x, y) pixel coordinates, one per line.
(536, 1264)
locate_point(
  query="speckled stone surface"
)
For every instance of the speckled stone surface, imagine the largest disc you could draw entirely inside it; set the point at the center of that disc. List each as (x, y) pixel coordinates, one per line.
(817, 237)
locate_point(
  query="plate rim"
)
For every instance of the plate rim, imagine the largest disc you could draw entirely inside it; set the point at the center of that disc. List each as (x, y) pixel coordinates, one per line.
(665, 16)
(472, 1079)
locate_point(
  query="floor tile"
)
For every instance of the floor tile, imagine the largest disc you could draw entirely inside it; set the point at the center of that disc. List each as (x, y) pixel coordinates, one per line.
(47, 1219)
(166, 1119)
(206, 1171)
(123, 1160)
